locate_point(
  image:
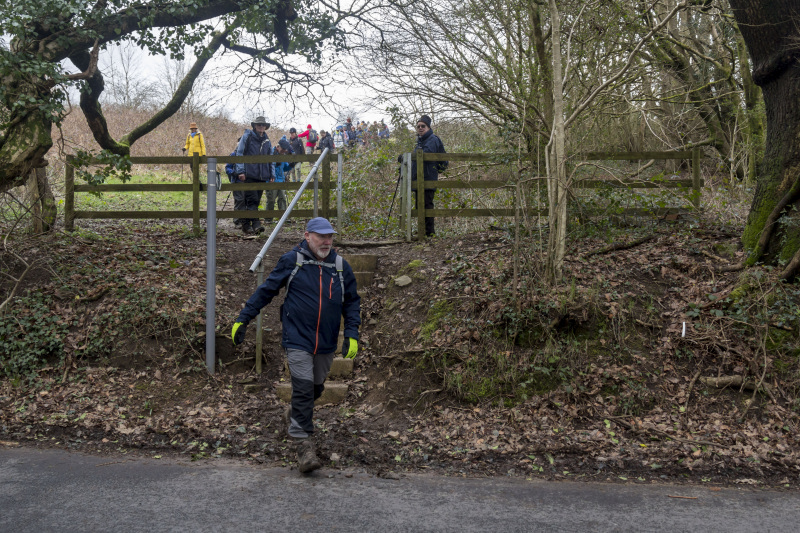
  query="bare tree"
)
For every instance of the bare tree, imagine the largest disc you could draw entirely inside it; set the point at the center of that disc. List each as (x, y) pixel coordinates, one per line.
(199, 101)
(532, 70)
(128, 86)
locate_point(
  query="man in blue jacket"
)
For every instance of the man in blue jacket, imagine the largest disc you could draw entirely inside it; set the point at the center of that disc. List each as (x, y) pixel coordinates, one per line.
(428, 143)
(254, 142)
(320, 290)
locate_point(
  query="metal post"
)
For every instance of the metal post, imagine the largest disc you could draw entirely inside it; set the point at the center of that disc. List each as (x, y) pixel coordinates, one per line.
(196, 193)
(259, 322)
(339, 214)
(211, 264)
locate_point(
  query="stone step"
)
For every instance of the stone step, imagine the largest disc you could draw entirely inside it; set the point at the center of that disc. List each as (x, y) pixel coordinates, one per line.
(362, 262)
(335, 392)
(341, 367)
(364, 279)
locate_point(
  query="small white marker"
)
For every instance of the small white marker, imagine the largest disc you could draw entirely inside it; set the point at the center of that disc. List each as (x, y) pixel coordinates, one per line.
(683, 333)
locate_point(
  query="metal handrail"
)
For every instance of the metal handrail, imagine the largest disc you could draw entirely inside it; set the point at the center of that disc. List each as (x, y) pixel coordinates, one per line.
(286, 214)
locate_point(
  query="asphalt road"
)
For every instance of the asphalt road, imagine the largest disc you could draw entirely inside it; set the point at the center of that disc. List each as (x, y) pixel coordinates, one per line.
(55, 490)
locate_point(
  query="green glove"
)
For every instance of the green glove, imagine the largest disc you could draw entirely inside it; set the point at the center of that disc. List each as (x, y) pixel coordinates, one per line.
(351, 347)
(237, 333)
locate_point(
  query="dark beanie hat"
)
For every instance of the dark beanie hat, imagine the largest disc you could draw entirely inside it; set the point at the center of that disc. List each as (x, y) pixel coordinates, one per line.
(426, 119)
(284, 144)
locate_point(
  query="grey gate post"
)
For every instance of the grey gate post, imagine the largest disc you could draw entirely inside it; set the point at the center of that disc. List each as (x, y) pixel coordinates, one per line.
(211, 263)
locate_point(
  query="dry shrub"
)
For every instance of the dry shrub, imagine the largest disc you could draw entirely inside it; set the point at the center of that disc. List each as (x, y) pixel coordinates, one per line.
(220, 133)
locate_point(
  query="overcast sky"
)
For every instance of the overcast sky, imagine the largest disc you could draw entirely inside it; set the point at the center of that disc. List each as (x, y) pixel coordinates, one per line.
(282, 109)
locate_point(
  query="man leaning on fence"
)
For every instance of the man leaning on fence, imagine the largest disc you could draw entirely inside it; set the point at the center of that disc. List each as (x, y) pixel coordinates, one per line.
(254, 142)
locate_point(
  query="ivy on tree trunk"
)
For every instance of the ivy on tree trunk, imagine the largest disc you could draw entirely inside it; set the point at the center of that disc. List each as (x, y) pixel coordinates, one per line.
(771, 31)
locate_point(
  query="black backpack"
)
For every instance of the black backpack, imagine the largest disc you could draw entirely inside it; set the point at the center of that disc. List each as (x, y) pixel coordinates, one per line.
(312, 136)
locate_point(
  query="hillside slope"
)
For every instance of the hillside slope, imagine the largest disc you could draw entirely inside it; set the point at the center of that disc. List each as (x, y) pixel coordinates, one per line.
(595, 379)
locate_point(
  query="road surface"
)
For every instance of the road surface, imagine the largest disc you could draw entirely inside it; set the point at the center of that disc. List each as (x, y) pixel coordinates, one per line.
(54, 490)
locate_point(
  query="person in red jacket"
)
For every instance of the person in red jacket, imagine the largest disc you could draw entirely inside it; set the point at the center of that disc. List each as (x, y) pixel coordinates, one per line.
(311, 137)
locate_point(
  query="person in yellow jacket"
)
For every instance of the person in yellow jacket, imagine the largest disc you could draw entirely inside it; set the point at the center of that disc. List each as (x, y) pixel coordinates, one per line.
(194, 141)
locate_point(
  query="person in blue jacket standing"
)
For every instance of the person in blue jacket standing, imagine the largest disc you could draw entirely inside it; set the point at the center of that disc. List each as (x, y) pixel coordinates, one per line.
(254, 142)
(320, 291)
(428, 143)
(281, 170)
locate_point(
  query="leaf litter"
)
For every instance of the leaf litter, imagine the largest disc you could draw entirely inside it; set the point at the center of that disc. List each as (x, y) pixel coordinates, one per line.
(639, 416)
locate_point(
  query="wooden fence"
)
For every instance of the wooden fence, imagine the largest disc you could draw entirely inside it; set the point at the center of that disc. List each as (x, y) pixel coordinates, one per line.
(409, 187)
(196, 187)
(408, 190)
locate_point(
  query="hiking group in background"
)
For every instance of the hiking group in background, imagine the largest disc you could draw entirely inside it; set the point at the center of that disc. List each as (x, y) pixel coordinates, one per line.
(255, 141)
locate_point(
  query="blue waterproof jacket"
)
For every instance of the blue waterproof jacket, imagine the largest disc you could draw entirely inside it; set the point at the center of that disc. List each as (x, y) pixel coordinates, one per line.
(281, 168)
(430, 144)
(313, 308)
(230, 169)
(252, 144)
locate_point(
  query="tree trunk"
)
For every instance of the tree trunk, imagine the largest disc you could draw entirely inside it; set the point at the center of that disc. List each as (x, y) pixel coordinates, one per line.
(556, 175)
(24, 146)
(42, 201)
(771, 31)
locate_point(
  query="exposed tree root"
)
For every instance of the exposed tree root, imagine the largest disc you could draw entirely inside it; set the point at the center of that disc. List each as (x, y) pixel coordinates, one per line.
(621, 246)
(792, 195)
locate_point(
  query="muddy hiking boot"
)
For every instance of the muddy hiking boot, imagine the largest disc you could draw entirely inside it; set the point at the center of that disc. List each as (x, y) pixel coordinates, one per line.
(307, 460)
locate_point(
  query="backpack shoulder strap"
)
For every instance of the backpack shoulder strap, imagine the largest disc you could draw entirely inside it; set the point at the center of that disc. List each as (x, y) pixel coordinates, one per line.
(298, 262)
(340, 271)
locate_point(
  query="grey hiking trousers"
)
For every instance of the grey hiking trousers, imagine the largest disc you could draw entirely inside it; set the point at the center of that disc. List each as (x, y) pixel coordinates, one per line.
(309, 372)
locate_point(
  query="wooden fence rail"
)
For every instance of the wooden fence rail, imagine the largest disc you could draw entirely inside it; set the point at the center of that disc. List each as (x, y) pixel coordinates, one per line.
(195, 187)
(410, 190)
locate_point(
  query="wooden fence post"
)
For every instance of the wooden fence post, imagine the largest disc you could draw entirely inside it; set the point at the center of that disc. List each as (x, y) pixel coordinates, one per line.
(69, 194)
(407, 159)
(196, 193)
(420, 196)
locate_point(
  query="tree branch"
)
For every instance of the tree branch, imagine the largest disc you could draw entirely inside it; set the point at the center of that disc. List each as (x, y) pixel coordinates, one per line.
(181, 93)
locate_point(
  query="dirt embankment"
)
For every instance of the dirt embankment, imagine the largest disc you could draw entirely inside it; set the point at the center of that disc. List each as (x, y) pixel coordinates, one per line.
(598, 381)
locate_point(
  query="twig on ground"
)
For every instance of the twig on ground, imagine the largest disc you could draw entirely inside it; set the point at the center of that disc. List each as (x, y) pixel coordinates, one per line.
(712, 256)
(488, 249)
(432, 391)
(621, 246)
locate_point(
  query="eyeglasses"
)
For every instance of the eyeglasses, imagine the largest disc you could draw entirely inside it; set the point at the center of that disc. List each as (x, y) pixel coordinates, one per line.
(421, 126)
